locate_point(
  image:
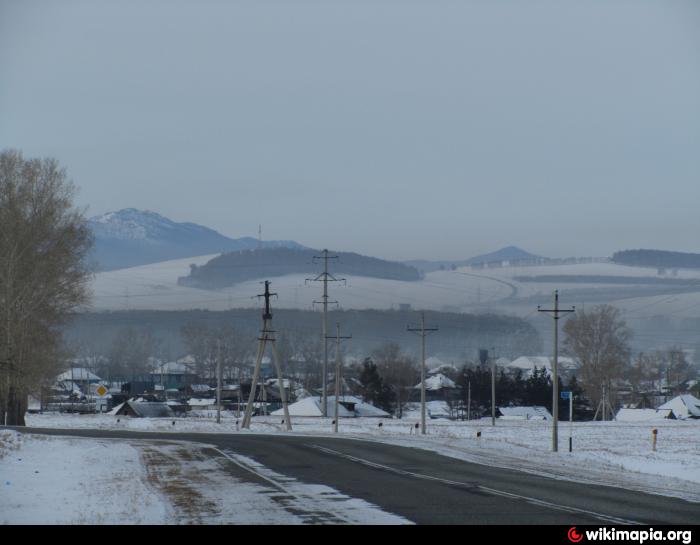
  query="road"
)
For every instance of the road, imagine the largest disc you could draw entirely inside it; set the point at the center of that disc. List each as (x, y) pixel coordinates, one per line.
(424, 487)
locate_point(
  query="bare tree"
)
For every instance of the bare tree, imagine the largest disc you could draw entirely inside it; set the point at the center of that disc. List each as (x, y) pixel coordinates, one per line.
(398, 371)
(44, 245)
(599, 340)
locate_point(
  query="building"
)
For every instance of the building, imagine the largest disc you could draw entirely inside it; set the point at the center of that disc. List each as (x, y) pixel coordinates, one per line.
(536, 412)
(142, 409)
(348, 407)
(683, 406)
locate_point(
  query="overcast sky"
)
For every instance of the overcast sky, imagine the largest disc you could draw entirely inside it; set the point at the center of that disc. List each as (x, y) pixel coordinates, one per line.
(399, 129)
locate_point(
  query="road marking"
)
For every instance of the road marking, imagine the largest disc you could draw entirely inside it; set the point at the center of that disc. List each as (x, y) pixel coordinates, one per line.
(492, 491)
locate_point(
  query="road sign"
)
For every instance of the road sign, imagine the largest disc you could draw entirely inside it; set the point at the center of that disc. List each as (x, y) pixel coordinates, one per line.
(102, 391)
(565, 395)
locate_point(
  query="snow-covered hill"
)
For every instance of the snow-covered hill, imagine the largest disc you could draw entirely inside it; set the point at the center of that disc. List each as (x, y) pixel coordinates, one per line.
(131, 237)
(507, 289)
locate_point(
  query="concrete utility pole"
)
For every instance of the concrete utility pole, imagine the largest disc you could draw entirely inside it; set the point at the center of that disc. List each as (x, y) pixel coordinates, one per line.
(493, 387)
(555, 377)
(423, 332)
(218, 381)
(267, 336)
(325, 277)
(338, 373)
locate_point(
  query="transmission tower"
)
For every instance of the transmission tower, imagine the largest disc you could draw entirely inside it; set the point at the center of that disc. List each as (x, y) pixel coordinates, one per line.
(267, 336)
(325, 277)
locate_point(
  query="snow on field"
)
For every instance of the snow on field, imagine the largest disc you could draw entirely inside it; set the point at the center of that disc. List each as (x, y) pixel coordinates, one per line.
(155, 287)
(616, 453)
(56, 480)
(51, 480)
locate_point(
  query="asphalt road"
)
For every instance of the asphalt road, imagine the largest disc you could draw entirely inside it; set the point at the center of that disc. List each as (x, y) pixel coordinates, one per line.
(427, 488)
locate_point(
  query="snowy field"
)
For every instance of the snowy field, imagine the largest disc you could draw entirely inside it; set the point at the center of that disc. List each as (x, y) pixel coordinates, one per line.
(154, 287)
(615, 453)
(54, 480)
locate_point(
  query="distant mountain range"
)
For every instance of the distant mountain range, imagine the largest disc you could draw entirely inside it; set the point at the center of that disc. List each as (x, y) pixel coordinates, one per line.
(509, 253)
(130, 237)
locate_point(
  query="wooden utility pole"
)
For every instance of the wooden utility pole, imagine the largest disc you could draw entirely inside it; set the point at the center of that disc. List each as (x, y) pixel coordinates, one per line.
(422, 332)
(267, 336)
(556, 311)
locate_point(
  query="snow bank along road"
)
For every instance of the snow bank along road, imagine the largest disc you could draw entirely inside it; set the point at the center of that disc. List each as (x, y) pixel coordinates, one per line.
(418, 485)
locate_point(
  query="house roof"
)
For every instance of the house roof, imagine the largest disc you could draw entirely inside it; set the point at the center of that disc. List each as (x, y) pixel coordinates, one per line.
(683, 406)
(78, 373)
(201, 402)
(311, 406)
(642, 415)
(536, 412)
(172, 368)
(437, 382)
(150, 409)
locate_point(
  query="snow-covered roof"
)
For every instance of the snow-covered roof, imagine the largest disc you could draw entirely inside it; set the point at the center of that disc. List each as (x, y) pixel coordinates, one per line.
(200, 387)
(311, 406)
(201, 402)
(172, 368)
(529, 363)
(437, 382)
(432, 361)
(78, 373)
(642, 415)
(447, 367)
(536, 412)
(683, 406)
(362, 408)
(146, 409)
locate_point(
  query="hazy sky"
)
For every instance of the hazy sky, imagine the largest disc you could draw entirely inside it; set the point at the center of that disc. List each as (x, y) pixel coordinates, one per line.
(400, 129)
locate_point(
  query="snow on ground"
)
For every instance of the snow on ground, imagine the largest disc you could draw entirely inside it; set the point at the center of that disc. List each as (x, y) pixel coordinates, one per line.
(52, 480)
(616, 453)
(56, 480)
(154, 287)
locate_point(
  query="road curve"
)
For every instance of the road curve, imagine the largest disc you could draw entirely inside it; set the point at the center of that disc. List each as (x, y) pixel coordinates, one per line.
(428, 488)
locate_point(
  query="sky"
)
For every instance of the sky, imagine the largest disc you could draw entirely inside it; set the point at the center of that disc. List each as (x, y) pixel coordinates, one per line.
(401, 129)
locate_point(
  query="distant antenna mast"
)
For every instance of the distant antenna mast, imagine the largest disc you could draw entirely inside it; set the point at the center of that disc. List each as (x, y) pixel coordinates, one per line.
(259, 236)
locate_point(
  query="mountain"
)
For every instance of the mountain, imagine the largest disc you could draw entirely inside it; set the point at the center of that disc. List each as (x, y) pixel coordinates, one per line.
(235, 267)
(509, 253)
(130, 237)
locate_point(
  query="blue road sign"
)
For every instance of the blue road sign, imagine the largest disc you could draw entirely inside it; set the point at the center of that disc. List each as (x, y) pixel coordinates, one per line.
(565, 395)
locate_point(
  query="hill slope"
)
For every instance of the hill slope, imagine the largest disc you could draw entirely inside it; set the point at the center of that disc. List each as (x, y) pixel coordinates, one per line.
(131, 237)
(235, 267)
(509, 253)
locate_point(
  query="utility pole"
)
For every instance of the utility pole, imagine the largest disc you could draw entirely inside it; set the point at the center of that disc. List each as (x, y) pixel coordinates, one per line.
(555, 378)
(325, 277)
(338, 373)
(493, 386)
(469, 400)
(422, 332)
(267, 336)
(218, 381)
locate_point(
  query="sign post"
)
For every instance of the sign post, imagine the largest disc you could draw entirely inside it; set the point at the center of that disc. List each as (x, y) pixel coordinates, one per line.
(570, 397)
